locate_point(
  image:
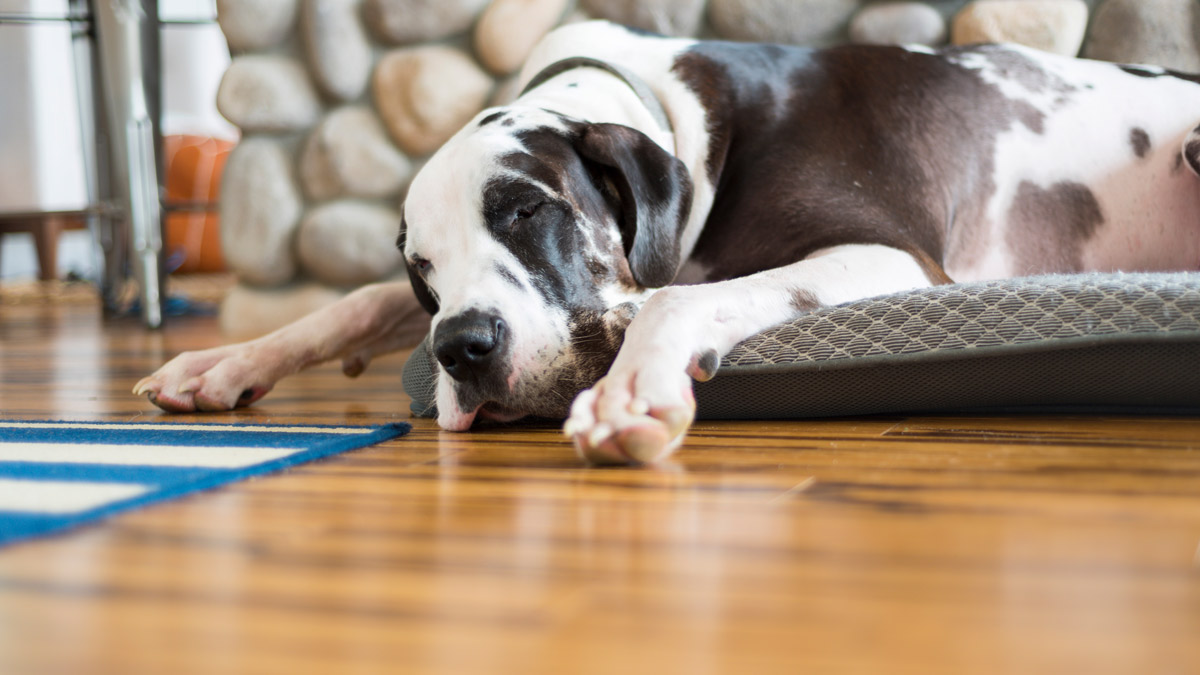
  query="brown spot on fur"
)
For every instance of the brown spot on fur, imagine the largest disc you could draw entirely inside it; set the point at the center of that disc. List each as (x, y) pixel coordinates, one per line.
(803, 300)
(1031, 117)
(1140, 140)
(1047, 227)
(1017, 67)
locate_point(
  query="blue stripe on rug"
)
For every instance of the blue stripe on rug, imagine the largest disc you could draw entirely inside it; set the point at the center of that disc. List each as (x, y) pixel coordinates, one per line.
(276, 436)
(58, 475)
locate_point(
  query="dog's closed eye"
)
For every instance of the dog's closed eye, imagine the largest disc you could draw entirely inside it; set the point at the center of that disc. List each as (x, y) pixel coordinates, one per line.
(422, 265)
(527, 212)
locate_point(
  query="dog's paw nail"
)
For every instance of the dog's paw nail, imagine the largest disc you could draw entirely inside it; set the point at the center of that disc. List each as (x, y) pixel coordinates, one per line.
(639, 406)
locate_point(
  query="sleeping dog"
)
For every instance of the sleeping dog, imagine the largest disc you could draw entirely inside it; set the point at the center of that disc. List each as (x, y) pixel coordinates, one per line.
(649, 202)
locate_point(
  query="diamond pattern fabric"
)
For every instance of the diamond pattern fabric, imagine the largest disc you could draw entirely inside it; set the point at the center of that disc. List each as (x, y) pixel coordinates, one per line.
(987, 314)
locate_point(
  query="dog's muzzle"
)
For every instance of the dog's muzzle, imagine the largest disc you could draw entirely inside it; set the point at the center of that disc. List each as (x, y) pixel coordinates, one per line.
(470, 346)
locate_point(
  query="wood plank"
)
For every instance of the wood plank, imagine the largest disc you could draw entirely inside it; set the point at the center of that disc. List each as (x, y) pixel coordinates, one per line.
(885, 544)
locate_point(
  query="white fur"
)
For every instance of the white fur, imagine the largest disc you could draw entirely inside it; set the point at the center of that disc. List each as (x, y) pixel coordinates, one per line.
(1149, 209)
(648, 390)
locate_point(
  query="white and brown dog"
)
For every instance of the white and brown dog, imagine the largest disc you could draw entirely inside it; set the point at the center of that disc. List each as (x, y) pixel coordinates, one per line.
(648, 203)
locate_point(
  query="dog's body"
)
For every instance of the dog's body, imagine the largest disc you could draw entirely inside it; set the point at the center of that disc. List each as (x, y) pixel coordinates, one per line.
(781, 180)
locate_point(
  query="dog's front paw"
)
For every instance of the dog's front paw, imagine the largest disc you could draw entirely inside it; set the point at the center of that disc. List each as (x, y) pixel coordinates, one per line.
(631, 417)
(211, 380)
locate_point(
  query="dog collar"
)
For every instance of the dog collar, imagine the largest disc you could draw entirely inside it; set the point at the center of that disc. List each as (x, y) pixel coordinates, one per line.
(637, 84)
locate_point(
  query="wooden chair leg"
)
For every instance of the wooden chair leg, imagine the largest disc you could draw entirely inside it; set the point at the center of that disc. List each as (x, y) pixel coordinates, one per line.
(45, 239)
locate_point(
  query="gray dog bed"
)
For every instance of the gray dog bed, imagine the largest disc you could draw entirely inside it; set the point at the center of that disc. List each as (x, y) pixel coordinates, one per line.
(1086, 343)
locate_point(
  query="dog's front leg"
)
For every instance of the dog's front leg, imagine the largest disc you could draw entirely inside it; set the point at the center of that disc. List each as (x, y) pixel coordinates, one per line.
(641, 410)
(372, 320)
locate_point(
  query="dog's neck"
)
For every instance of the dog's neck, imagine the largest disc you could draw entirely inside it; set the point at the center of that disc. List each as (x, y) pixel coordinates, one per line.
(630, 78)
(622, 97)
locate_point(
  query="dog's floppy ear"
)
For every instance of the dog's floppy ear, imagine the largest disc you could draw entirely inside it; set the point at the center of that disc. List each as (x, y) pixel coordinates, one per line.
(420, 289)
(655, 192)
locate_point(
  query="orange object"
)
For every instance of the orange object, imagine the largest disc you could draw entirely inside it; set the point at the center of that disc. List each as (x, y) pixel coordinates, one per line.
(194, 165)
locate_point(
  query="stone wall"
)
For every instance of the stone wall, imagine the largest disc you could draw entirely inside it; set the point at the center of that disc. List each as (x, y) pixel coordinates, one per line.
(339, 101)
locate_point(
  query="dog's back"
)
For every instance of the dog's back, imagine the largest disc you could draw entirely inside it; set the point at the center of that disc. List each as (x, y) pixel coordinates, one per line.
(995, 160)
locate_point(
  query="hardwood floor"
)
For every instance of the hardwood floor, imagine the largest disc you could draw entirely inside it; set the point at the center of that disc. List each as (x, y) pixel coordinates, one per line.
(875, 545)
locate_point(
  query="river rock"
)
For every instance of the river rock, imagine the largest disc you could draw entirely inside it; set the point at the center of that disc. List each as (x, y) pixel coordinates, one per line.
(349, 153)
(349, 243)
(1050, 25)
(508, 29)
(405, 21)
(252, 25)
(260, 208)
(784, 21)
(267, 93)
(898, 23)
(669, 17)
(426, 94)
(1160, 32)
(337, 48)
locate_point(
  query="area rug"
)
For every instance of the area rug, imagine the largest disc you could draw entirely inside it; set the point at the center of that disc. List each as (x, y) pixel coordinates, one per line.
(58, 475)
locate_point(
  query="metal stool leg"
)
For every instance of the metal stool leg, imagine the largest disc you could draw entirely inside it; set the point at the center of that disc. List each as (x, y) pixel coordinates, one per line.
(127, 47)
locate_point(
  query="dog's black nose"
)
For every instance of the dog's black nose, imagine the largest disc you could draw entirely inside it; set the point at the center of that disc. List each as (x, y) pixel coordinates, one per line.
(469, 344)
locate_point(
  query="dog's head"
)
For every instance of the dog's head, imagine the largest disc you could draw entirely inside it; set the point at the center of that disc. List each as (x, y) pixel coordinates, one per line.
(533, 239)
